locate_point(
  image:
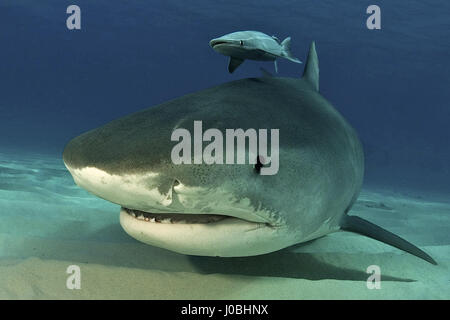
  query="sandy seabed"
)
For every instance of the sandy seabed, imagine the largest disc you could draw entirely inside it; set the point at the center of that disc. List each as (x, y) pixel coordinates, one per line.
(47, 224)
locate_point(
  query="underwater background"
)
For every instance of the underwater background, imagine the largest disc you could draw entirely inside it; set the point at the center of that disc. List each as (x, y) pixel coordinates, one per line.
(392, 85)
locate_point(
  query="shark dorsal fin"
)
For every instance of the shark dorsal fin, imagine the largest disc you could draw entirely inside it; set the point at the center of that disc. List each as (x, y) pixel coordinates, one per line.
(311, 73)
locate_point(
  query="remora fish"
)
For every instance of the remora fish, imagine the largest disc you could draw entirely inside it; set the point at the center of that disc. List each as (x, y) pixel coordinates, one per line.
(252, 45)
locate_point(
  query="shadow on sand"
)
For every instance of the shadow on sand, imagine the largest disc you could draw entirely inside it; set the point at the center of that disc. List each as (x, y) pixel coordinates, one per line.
(119, 250)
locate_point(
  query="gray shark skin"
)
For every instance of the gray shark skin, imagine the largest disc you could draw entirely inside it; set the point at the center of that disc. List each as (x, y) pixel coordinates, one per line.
(231, 210)
(252, 45)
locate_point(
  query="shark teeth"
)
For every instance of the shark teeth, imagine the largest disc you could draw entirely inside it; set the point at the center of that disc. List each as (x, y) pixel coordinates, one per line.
(174, 217)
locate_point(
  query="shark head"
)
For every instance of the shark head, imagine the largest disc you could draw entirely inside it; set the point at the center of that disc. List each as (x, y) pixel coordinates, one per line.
(214, 209)
(231, 44)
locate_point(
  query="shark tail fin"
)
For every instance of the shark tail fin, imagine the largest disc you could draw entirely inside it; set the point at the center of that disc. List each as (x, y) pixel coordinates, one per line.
(286, 44)
(358, 225)
(311, 73)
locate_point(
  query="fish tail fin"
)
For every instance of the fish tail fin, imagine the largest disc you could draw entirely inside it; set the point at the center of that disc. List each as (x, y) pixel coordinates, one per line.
(358, 225)
(286, 44)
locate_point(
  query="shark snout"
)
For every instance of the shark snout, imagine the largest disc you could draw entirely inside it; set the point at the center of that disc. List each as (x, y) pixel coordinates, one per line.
(224, 46)
(217, 41)
(141, 191)
(131, 183)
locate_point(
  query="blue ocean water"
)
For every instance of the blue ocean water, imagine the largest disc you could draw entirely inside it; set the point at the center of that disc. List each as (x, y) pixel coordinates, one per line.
(391, 84)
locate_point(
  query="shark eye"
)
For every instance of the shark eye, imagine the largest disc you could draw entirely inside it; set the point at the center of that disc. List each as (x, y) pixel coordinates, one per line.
(258, 164)
(241, 42)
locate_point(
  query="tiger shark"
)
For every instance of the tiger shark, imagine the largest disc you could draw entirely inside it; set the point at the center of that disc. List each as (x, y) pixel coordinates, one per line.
(231, 210)
(253, 45)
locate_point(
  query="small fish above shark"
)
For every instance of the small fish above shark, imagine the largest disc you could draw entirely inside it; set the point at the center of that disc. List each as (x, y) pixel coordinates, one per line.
(252, 45)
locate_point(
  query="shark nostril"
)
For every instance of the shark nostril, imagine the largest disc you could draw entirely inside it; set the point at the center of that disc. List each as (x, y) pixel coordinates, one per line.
(176, 183)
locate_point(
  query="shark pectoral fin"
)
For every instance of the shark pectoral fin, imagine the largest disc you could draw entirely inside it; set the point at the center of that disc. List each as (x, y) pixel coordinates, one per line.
(311, 73)
(358, 225)
(233, 64)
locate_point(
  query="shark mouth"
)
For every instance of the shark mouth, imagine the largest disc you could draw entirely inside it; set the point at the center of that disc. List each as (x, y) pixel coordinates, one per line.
(174, 217)
(177, 218)
(204, 234)
(218, 42)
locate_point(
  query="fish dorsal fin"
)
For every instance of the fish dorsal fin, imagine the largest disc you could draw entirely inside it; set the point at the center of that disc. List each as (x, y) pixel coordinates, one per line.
(233, 64)
(311, 73)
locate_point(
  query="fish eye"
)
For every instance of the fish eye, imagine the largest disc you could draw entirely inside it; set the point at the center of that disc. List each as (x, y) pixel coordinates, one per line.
(258, 164)
(241, 42)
